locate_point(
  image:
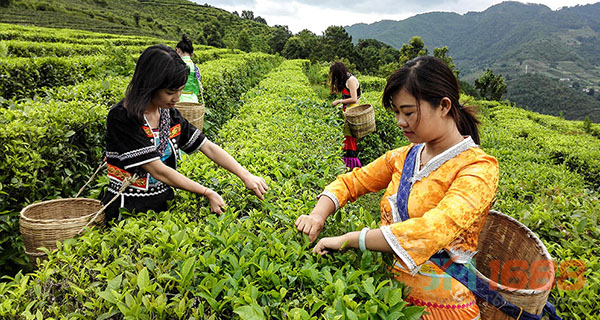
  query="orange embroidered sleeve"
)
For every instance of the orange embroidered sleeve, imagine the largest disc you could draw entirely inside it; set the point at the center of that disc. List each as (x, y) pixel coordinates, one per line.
(468, 198)
(371, 178)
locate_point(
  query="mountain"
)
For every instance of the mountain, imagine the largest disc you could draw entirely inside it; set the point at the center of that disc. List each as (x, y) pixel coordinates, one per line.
(165, 19)
(511, 38)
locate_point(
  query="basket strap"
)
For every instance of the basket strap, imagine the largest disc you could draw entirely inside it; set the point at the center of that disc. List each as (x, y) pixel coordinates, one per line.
(102, 165)
(126, 184)
(482, 289)
(201, 92)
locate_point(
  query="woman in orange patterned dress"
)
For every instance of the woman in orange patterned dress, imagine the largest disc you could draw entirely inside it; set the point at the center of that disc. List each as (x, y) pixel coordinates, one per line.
(439, 190)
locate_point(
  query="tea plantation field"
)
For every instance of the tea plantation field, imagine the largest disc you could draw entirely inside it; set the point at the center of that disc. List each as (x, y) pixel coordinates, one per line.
(56, 87)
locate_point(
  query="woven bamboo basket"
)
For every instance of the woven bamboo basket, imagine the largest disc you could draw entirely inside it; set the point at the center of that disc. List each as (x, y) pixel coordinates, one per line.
(361, 120)
(44, 223)
(193, 112)
(507, 240)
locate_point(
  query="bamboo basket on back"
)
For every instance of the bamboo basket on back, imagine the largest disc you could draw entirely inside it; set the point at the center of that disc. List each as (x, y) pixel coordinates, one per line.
(193, 112)
(507, 241)
(361, 120)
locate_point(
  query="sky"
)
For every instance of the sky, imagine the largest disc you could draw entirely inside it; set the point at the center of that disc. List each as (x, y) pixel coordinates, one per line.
(317, 15)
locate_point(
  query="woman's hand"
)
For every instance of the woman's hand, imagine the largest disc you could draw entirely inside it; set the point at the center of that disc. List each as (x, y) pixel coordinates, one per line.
(256, 184)
(336, 102)
(217, 204)
(327, 245)
(311, 225)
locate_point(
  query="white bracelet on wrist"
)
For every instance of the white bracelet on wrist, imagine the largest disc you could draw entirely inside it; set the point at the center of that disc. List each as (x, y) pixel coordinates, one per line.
(362, 239)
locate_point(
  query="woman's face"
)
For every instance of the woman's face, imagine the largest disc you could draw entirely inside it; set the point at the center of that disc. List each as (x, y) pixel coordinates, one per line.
(426, 128)
(166, 98)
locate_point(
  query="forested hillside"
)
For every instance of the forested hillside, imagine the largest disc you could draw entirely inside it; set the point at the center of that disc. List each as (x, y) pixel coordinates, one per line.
(166, 19)
(510, 38)
(551, 96)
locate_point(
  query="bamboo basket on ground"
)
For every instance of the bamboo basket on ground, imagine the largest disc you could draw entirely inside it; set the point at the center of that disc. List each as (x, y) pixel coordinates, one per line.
(361, 120)
(506, 239)
(193, 112)
(44, 223)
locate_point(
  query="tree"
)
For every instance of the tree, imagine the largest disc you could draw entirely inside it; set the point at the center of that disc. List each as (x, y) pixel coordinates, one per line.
(491, 86)
(279, 37)
(336, 43)
(136, 17)
(260, 19)
(414, 48)
(247, 14)
(293, 49)
(371, 54)
(303, 45)
(243, 42)
(213, 35)
(442, 53)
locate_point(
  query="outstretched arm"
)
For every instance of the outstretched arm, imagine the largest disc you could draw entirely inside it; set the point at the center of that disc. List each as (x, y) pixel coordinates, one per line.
(225, 160)
(312, 224)
(374, 241)
(175, 179)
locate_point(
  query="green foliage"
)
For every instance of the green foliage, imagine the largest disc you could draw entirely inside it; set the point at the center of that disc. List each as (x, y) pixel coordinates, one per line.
(587, 125)
(226, 80)
(490, 85)
(442, 53)
(243, 42)
(335, 44)
(301, 46)
(27, 76)
(548, 181)
(414, 48)
(164, 19)
(46, 155)
(33, 171)
(371, 54)
(543, 94)
(280, 36)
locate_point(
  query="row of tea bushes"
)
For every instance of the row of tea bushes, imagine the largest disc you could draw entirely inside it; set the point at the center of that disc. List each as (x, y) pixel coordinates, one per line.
(23, 77)
(33, 49)
(40, 34)
(226, 80)
(248, 263)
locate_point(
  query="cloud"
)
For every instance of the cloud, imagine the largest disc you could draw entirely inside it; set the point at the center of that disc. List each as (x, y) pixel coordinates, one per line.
(317, 15)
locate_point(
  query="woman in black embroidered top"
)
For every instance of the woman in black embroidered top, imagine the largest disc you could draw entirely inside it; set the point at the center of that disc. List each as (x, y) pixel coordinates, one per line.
(144, 133)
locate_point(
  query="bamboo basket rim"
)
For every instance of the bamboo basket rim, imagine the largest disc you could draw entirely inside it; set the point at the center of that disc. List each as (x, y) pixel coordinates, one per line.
(359, 110)
(46, 202)
(539, 244)
(188, 104)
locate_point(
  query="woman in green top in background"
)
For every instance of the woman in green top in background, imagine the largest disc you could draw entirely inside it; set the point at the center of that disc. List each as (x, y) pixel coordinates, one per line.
(191, 90)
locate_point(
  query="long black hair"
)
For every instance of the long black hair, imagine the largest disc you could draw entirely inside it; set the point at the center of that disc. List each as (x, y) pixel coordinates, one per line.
(185, 45)
(429, 78)
(159, 67)
(338, 75)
